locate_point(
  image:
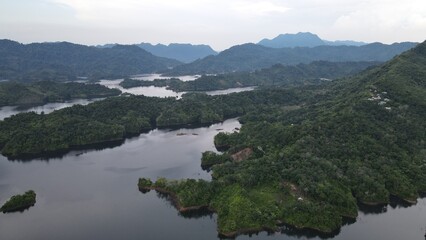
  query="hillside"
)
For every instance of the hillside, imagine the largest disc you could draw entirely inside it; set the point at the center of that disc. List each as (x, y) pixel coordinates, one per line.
(66, 61)
(363, 140)
(303, 39)
(182, 52)
(249, 57)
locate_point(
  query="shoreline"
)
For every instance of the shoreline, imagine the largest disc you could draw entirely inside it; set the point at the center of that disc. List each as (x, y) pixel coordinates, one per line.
(279, 224)
(176, 203)
(105, 143)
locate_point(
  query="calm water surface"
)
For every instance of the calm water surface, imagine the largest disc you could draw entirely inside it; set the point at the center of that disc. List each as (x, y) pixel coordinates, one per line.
(152, 91)
(94, 195)
(152, 77)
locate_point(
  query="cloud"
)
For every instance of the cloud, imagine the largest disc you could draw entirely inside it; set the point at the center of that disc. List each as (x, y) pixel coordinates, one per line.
(386, 18)
(220, 23)
(259, 8)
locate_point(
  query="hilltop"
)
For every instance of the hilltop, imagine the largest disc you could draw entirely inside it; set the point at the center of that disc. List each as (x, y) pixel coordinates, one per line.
(185, 53)
(304, 39)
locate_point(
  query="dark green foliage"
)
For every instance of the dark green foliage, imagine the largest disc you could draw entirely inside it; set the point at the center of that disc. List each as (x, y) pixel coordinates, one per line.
(66, 61)
(19, 202)
(145, 183)
(249, 57)
(12, 93)
(210, 158)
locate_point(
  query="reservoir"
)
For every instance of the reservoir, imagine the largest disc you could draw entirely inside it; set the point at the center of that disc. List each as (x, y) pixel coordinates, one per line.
(93, 194)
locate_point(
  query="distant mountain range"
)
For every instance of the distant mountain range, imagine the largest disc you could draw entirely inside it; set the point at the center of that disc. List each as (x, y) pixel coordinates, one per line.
(304, 39)
(63, 61)
(182, 52)
(249, 57)
(66, 61)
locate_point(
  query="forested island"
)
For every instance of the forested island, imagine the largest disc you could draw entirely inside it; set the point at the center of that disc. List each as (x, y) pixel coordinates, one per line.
(19, 202)
(38, 93)
(363, 137)
(277, 75)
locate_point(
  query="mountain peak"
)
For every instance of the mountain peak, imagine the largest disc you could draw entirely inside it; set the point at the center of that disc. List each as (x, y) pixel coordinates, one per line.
(184, 52)
(303, 39)
(300, 39)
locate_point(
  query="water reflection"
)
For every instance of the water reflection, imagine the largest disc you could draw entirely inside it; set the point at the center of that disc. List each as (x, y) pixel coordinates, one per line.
(8, 111)
(230, 90)
(152, 91)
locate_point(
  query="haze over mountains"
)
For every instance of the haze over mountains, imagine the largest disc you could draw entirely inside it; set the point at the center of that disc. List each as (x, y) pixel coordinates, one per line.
(63, 61)
(304, 39)
(67, 61)
(249, 57)
(183, 52)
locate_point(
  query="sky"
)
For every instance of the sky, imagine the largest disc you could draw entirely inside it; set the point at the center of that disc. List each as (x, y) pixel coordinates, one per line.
(218, 23)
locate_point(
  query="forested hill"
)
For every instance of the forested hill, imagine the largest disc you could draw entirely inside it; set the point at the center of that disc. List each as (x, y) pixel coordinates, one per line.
(67, 61)
(37, 93)
(363, 140)
(249, 57)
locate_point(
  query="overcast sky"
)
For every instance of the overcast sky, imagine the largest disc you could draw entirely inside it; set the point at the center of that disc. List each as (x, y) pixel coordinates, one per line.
(219, 23)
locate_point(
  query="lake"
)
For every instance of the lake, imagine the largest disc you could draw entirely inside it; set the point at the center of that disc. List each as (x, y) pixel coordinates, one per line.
(152, 91)
(93, 194)
(152, 77)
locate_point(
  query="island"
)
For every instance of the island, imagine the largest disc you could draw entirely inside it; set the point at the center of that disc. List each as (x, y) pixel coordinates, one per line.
(19, 202)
